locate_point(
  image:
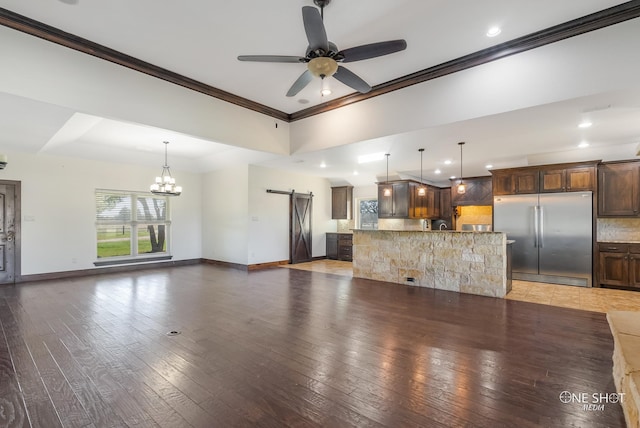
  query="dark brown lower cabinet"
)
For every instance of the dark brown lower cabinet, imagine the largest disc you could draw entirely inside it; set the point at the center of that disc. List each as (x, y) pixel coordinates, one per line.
(619, 264)
(340, 246)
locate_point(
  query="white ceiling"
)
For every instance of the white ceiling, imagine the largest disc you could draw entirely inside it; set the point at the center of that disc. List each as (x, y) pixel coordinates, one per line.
(201, 39)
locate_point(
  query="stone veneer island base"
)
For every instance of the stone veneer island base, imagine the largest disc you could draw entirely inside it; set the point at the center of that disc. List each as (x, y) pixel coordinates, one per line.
(466, 262)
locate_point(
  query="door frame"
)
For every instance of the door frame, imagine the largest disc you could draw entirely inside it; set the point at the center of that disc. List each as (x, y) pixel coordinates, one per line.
(17, 272)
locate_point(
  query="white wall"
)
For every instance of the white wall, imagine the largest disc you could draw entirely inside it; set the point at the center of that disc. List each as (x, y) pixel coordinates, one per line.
(269, 213)
(58, 209)
(592, 63)
(37, 69)
(225, 207)
(224, 215)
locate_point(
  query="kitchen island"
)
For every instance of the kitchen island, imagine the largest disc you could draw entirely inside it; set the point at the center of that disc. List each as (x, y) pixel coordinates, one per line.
(465, 262)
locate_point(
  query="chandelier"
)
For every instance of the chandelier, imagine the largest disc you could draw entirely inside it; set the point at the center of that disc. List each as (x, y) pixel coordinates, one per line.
(165, 184)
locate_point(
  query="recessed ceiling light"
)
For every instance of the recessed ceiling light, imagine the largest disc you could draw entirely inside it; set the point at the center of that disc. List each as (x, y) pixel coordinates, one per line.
(325, 91)
(437, 171)
(448, 162)
(585, 124)
(488, 166)
(493, 31)
(452, 177)
(583, 144)
(371, 158)
(323, 165)
(355, 172)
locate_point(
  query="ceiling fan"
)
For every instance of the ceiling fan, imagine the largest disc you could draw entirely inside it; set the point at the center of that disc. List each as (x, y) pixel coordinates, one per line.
(322, 56)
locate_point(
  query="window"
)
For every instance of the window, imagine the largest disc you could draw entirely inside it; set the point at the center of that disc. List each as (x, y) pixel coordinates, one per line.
(367, 214)
(124, 233)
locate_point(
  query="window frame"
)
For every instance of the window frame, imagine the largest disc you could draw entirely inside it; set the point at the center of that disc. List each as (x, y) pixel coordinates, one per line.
(133, 223)
(358, 216)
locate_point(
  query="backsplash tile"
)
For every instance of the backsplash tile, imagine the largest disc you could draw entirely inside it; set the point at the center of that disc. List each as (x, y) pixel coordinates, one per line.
(618, 229)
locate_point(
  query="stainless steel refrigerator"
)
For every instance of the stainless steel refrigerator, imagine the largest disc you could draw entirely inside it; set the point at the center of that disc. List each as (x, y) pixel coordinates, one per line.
(553, 235)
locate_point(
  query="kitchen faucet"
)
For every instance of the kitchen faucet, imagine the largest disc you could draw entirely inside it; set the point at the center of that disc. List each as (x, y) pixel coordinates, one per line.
(443, 226)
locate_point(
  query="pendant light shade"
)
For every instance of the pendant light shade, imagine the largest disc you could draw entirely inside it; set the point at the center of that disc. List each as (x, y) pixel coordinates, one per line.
(165, 184)
(462, 188)
(422, 190)
(387, 190)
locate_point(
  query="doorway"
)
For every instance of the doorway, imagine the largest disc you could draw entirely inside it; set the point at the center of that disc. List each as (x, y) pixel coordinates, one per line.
(9, 231)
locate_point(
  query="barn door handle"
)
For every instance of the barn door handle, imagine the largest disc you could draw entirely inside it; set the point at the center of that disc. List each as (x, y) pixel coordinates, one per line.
(9, 237)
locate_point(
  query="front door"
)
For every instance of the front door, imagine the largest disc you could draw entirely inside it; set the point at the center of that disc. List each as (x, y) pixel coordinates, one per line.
(9, 225)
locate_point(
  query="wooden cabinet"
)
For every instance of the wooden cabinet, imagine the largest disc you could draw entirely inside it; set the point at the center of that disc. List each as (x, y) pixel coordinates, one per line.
(332, 246)
(342, 203)
(479, 192)
(345, 247)
(446, 211)
(619, 264)
(515, 182)
(574, 177)
(339, 246)
(618, 188)
(401, 199)
(425, 205)
(393, 200)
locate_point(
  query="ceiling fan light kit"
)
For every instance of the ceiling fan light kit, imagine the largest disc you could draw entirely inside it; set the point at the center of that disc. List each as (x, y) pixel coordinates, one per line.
(322, 56)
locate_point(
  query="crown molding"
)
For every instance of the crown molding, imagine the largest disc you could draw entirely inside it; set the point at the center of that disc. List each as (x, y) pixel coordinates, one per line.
(576, 27)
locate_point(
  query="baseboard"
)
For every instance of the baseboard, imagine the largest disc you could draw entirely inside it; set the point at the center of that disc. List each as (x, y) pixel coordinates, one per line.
(267, 265)
(103, 270)
(237, 266)
(144, 266)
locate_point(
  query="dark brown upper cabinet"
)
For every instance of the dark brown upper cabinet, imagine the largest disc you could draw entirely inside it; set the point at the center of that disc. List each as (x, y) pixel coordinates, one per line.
(342, 203)
(479, 192)
(446, 211)
(401, 199)
(618, 187)
(574, 177)
(571, 179)
(426, 205)
(514, 182)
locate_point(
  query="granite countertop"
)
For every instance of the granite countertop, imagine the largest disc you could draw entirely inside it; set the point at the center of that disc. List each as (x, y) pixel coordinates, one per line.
(342, 233)
(618, 242)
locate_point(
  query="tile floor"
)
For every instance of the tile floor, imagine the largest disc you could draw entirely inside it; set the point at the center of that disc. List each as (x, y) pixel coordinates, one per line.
(588, 299)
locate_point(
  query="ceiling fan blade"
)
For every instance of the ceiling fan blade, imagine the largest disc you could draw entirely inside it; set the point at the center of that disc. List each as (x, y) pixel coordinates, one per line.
(352, 80)
(372, 50)
(271, 58)
(300, 83)
(314, 27)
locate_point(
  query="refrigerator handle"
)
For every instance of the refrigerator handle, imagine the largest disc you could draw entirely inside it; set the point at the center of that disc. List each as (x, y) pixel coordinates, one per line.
(536, 223)
(541, 227)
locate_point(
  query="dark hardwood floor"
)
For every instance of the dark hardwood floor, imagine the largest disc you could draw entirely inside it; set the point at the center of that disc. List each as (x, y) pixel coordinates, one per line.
(283, 347)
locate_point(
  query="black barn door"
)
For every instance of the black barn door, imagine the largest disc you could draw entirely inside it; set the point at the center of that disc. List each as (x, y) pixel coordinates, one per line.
(300, 227)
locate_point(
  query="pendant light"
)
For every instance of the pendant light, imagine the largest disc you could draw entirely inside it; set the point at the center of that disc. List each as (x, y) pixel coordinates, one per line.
(462, 188)
(387, 190)
(165, 184)
(422, 190)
